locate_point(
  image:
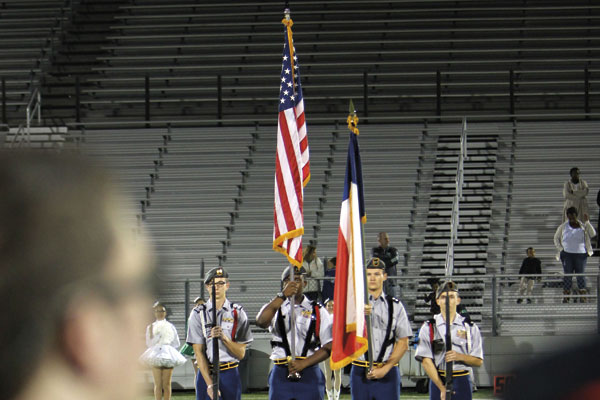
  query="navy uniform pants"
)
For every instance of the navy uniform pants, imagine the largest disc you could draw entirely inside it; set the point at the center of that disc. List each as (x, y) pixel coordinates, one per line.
(311, 385)
(230, 385)
(461, 389)
(385, 388)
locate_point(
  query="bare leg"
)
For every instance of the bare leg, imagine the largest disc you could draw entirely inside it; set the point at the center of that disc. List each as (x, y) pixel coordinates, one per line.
(167, 373)
(157, 375)
(328, 383)
(337, 383)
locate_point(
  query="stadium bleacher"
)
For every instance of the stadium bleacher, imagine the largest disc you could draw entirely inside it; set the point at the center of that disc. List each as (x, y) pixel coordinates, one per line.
(205, 192)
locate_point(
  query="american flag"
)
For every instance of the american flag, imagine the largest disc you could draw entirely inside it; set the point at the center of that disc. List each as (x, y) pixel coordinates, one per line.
(292, 167)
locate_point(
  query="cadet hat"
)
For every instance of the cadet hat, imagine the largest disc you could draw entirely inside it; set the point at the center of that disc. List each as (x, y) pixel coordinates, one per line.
(376, 263)
(448, 284)
(287, 271)
(217, 272)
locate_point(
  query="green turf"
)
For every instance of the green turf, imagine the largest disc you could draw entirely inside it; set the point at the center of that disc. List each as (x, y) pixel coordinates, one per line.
(407, 394)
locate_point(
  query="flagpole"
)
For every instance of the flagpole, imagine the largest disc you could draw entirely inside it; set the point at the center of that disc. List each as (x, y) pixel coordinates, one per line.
(367, 317)
(352, 123)
(215, 344)
(296, 375)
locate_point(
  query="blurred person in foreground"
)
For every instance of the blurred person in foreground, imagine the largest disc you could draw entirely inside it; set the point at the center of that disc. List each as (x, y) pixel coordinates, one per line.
(74, 282)
(551, 377)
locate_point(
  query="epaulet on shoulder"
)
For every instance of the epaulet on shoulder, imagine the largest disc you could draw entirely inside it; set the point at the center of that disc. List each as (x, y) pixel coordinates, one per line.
(200, 307)
(395, 300)
(316, 303)
(237, 306)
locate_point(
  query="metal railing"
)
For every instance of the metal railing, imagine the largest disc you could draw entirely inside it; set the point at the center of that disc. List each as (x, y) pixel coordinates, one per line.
(496, 309)
(33, 109)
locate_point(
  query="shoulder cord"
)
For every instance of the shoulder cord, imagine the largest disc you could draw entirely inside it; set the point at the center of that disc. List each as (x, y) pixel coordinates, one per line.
(203, 322)
(282, 333)
(235, 323)
(312, 330)
(387, 340)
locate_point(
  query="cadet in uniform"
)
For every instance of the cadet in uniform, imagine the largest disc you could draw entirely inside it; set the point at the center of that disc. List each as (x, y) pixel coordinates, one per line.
(232, 328)
(313, 341)
(391, 330)
(467, 350)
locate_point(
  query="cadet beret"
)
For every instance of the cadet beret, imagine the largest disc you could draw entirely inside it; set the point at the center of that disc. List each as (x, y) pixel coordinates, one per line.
(376, 263)
(287, 271)
(448, 284)
(217, 272)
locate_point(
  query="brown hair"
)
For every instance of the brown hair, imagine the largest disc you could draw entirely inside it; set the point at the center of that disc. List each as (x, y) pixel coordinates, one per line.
(55, 234)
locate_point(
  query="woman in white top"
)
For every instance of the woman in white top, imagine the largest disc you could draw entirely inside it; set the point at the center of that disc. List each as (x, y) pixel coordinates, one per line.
(314, 269)
(162, 353)
(573, 241)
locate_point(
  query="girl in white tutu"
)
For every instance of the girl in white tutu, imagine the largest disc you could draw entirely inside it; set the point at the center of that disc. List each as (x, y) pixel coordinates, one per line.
(162, 353)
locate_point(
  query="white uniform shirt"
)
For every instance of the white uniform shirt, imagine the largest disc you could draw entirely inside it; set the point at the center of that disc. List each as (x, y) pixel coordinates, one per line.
(201, 323)
(303, 313)
(466, 339)
(379, 321)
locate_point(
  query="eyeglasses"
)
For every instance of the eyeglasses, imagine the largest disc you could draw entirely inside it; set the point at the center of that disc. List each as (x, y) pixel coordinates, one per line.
(218, 284)
(160, 311)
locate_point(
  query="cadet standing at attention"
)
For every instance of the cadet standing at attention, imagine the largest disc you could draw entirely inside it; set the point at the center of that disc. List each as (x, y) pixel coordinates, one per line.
(232, 329)
(299, 379)
(391, 330)
(467, 350)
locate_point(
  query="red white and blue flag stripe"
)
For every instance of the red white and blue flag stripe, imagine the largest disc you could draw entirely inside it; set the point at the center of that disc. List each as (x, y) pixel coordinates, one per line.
(349, 329)
(292, 170)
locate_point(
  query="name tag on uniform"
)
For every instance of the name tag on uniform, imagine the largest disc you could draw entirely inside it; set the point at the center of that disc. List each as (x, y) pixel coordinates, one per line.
(227, 319)
(306, 313)
(461, 334)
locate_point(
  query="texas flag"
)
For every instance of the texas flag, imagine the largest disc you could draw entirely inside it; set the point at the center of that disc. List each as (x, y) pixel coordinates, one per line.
(349, 332)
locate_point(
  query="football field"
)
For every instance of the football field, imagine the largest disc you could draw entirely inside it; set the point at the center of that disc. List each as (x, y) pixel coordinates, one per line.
(406, 395)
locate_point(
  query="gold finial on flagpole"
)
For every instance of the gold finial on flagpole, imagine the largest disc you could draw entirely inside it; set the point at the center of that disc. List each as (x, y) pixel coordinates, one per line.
(352, 119)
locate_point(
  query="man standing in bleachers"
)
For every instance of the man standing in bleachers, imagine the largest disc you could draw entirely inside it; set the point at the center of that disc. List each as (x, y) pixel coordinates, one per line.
(575, 191)
(390, 256)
